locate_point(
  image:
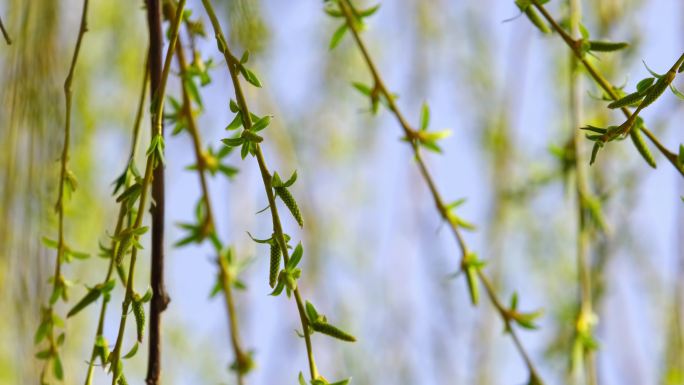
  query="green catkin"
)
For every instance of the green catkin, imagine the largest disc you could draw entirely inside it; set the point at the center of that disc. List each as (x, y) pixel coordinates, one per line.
(330, 330)
(275, 264)
(629, 99)
(139, 313)
(656, 90)
(124, 245)
(290, 202)
(640, 144)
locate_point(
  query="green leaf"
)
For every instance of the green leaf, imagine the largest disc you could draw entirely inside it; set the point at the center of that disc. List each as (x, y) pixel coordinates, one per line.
(629, 99)
(337, 36)
(424, 117)
(250, 76)
(332, 331)
(606, 46)
(296, 256)
(261, 123)
(311, 312)
(675, 91)
(680, 156)
(369, 11)
(234, 106)
(362, 88)
(235, 123)
(131, 352)
(302, 381)
(57, 368)
(90, 297)
(643, 85)
(233, 142)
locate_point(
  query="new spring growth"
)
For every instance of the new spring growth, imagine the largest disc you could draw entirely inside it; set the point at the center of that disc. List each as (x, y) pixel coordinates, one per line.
(248, 138)
(287, 278)
(275, 255)
(648, 90)
(318, 322)
(281, 190)
(525, 7)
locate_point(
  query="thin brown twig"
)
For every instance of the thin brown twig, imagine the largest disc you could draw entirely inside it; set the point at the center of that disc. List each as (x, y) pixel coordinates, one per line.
(160, 298)
(232, 62)
(411, 134)
(210, 227)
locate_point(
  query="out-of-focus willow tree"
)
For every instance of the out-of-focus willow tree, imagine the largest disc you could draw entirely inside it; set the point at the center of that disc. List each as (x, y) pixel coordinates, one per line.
(357, 98)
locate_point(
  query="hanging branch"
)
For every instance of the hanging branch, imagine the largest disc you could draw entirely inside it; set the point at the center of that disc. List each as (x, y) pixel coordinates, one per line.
(249, 141)
(207, 227)
(417, 139)
(160, 298)
(49, 319)
(647, 93)
(129, 237)
(586, 318)
(100, 345)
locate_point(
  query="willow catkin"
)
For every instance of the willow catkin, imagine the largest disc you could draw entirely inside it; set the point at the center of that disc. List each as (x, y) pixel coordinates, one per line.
(275, 264)
(139, 313)
(640, 144)
(290, 202)
(656, 90)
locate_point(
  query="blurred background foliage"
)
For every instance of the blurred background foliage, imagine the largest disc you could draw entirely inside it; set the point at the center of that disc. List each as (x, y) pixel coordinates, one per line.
(376, 255)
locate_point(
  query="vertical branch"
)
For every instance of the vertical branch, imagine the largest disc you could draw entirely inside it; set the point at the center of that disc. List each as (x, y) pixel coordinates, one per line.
(242, 360)
(154, 158)
(508, 316)
(66, 180)
(160, 298)
(585, 317)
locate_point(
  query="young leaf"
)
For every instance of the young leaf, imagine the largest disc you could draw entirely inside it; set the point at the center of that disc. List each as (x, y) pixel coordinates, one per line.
(337, 36)
(90, 297)
(424, 117)
(606, 46)
(332, 331)
(131, 352)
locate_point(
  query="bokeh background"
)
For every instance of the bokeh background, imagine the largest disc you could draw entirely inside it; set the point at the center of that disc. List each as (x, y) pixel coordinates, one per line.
(377, 260)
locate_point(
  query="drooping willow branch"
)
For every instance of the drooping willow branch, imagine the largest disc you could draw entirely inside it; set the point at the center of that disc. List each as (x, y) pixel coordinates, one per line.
(249, 141)
(66, 180)
(421, 138)
(585, 318)
(243, 361)
(155, 158)
(160, 298)
(576, 46)
(100, 345)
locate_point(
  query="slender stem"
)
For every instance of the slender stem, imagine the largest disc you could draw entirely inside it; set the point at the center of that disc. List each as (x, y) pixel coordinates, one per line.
(575, 47)
(6, 35)
(58, 280)
(585, 313)
(232, 64)
(119, 224)
(160, 298)
(147, 179)
(210, 226)
(348, 11)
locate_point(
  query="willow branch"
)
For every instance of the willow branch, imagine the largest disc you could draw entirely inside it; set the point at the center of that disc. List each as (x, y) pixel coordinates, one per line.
(210, 225)
(411, 134)
(232, 62)
(119, 225)
(158, 105)
(575, 47)
(585, 314)
(160, 299)
(58, 281)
